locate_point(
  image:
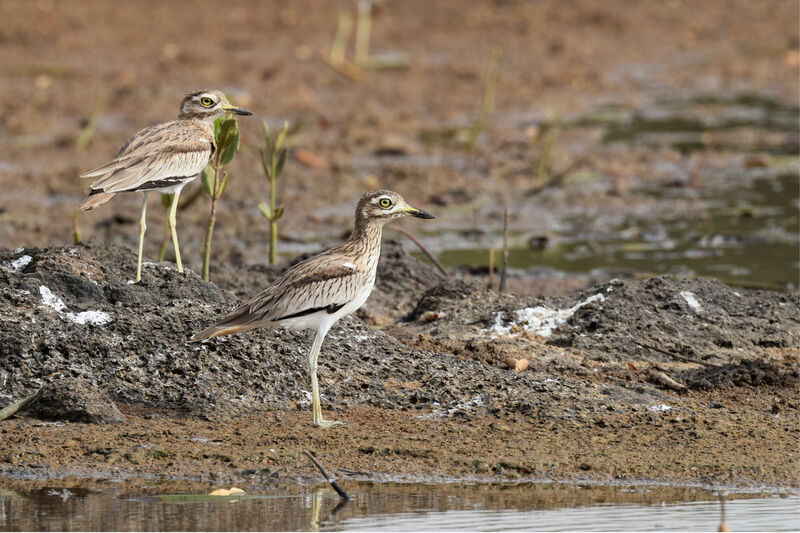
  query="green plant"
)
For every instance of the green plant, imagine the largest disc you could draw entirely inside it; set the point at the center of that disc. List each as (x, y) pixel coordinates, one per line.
(487, 102)
(273, 158)
(215, 180)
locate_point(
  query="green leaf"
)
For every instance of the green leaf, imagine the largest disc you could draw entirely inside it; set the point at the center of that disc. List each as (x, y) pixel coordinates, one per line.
(267, 134)
(207, 177)
(281, 162)
(217, 126)
(264, 162)
(223, 184)
(264, 208)
(278, 212)
(282, 136)
(228, 140)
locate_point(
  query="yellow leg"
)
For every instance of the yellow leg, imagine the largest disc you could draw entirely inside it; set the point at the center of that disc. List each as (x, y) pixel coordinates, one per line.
(142, 229)
(312, 368)
(173, 209)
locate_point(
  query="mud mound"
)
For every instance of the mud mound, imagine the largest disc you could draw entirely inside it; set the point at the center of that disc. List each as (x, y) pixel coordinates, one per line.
(701, 319)
(70, 313)
(658, 320)
(745, 373)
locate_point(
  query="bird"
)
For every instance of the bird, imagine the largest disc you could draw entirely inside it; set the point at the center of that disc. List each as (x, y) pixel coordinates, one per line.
(318, 291)
(163, 157)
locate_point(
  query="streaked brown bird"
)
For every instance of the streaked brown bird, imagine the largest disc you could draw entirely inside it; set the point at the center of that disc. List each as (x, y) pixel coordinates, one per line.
(317, 292)
(163, 158)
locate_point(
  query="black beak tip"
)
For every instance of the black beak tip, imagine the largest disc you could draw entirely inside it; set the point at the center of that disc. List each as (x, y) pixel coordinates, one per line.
(243, 111)
(423, 214)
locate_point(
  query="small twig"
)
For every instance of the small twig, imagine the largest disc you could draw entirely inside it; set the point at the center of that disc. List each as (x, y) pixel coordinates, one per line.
(76, 231)
(554, 179)
(18, 405)
(433, 259)
(487, 103)
(86, 134)
(189, 199)
(672, 354)
(339, 490)
(502, 286)
(491, 269)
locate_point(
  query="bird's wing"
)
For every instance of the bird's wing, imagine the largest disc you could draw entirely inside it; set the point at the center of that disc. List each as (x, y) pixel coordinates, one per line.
(170, 150)
(325, 282)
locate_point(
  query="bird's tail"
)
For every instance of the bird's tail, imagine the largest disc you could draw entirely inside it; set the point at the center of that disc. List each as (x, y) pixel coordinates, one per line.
(95, 199)
(216, 331)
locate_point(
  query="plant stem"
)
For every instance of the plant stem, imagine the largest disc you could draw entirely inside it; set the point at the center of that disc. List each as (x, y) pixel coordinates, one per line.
(207, 247)
(211, 220)
(487, 103)
(432, 257)
(502, 286)
(273, 242)
(273, 222)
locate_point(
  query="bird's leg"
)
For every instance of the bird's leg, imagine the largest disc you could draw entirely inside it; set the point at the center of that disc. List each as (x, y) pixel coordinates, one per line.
(173, 209)
(312, 368)
(142, 229)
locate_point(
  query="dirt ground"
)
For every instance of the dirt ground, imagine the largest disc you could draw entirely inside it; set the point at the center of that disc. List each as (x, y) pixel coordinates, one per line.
(639, 385)
(427, 397)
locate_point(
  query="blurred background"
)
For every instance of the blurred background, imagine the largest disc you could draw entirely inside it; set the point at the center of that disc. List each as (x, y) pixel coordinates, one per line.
(625, 138)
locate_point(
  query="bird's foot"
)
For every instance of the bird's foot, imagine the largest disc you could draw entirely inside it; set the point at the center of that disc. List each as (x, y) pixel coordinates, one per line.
(326, 424)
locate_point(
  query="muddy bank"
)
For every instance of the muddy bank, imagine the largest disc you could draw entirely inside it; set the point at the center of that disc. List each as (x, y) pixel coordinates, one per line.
(657, 378)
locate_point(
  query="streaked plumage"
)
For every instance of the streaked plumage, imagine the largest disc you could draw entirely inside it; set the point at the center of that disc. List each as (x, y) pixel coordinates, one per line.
(317, 292)
(164, 157)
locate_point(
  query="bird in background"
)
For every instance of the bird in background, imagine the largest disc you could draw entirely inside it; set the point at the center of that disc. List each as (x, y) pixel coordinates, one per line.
(317, 292)
(164, 157)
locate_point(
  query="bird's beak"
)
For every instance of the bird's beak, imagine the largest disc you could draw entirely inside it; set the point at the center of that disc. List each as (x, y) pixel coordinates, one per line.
(419, 213)
(237, 110)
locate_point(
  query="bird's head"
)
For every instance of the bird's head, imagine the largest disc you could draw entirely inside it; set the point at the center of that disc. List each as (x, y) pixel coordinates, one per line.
(382, 206)
(207, 105)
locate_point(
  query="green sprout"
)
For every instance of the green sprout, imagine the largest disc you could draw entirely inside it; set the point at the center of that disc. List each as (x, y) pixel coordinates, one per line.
(487, 103)
(273, 158)
(215, 180)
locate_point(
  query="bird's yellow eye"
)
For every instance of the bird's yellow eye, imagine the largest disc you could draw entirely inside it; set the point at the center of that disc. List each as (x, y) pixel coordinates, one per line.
(206, 101)
(385, 203)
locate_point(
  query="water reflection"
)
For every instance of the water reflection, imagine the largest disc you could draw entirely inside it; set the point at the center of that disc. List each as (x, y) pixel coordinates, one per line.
(87, 505)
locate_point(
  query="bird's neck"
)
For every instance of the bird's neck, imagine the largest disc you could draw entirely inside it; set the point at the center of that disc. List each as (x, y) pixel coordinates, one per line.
(366, 235)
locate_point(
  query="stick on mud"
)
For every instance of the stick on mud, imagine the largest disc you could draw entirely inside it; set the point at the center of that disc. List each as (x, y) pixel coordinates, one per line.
(339, 490)
(502, 286)
(433, 259)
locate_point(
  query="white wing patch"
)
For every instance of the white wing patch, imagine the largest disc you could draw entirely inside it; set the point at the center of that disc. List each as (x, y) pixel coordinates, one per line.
(351, 266)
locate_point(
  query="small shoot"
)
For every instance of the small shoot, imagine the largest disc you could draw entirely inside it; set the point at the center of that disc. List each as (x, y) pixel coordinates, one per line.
(273, 159)
(487, 102)
(215, 179)
(76, 231)
(86, 134)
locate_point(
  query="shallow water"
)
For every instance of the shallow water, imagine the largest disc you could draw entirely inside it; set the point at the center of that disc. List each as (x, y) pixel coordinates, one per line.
(389, 506)
(745, 236)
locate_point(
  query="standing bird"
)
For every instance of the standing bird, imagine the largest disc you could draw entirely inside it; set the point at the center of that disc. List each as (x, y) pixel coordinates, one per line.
(317, 292)
(164, 158)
